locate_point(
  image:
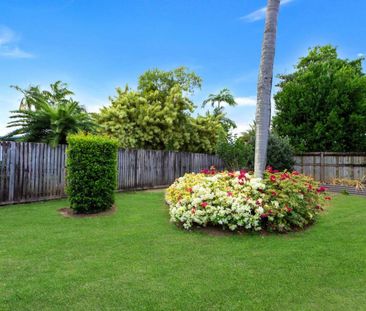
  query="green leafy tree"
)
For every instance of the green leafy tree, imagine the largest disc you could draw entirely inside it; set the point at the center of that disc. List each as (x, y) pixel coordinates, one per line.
(321, 106)
(48, 116)
(238, 151)
(158, 115)
(216, 101)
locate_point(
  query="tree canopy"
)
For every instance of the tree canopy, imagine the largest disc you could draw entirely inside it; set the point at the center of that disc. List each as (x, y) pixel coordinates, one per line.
(48, 116)
(158, 115)
(321, 106)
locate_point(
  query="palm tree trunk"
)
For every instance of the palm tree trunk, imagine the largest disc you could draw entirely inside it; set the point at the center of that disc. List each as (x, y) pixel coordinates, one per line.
(264, 87)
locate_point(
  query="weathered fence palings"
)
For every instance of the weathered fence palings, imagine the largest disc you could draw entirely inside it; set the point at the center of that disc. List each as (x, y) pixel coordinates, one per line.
(33, 172)
(325, 166)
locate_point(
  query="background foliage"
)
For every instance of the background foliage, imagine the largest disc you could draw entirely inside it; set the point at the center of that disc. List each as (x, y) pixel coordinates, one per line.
(238, 151)
(321, 106)
(48, 116)
(158, 115)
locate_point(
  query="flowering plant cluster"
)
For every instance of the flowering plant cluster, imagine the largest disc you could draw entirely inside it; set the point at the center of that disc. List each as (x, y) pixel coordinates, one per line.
(281, 201)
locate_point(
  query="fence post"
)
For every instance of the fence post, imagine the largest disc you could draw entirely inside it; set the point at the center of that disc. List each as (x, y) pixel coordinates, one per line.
(322, 168)
(11, 167)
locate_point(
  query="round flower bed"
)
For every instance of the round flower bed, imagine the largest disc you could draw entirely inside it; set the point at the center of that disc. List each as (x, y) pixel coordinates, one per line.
(281, 201)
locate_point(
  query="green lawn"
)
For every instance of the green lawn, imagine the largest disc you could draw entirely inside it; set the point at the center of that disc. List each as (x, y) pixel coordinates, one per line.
(137, 260)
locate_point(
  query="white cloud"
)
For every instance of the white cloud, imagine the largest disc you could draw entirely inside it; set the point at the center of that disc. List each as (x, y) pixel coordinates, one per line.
(360, 55)
(14, 52)
(6, 35)
(8, 44)
(246, 101)
(260, 13)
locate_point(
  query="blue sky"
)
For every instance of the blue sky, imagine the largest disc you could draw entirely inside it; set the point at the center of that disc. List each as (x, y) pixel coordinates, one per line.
(96, 46)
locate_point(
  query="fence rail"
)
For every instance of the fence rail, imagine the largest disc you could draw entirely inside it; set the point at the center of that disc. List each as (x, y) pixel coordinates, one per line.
(34, 172)
(325, 166)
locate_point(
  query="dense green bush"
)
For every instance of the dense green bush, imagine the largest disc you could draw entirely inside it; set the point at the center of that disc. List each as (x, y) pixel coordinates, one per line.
(238, 152)
(91, 172)
(321, 105)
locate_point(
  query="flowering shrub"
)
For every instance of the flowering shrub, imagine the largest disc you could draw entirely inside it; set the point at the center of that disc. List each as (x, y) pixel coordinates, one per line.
(281, 201)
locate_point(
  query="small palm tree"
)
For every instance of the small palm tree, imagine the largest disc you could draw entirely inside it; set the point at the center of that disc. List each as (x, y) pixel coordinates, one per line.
(264, 88)
(48, 116)
(216, 101)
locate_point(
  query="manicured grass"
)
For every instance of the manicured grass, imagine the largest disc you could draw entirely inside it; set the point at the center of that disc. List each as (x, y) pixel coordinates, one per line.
(136, 260)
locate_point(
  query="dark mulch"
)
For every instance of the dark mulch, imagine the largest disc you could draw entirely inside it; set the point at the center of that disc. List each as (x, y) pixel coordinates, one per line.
(68, 212)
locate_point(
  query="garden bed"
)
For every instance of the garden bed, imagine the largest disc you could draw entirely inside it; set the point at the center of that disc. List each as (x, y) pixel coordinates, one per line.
(345, 189)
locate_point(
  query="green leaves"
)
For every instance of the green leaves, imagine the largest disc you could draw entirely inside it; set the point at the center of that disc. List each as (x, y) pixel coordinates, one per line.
(48, 116)
(158, 114)
(322, 105)
(91, 172)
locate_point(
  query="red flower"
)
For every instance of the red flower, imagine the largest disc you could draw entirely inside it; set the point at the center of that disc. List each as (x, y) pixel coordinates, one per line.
(269, 169)
(274, 193)
(229, 194)
(270, 211)
(273, 178)
(295, 173)
(321, 189)
(328, 198)
(189, 190)
(284, 176)
(310, 187)
(231, 174)
(288, 209)
(257, 202)
(264, 215)
(193, 211)
(260, 190)
(242, 174)
(204, 204)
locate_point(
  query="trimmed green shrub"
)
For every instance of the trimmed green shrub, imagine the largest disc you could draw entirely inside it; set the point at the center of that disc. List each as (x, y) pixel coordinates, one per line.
(91, 172)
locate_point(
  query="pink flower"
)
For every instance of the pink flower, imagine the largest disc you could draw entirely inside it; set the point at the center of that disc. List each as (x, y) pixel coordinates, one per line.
(273, 178)
(204, 204)
(229, 194)
(284, 176)
(321, 189)
(193, 211)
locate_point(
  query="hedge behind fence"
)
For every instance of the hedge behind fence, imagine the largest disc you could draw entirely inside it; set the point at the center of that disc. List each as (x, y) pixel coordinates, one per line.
(91, 172)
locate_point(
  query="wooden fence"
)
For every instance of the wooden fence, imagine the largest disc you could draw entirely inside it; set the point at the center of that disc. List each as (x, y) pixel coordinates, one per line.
(324, 166)
(33, 172)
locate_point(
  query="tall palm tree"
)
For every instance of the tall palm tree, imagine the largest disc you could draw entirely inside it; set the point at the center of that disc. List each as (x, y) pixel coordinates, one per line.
(264, 88)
